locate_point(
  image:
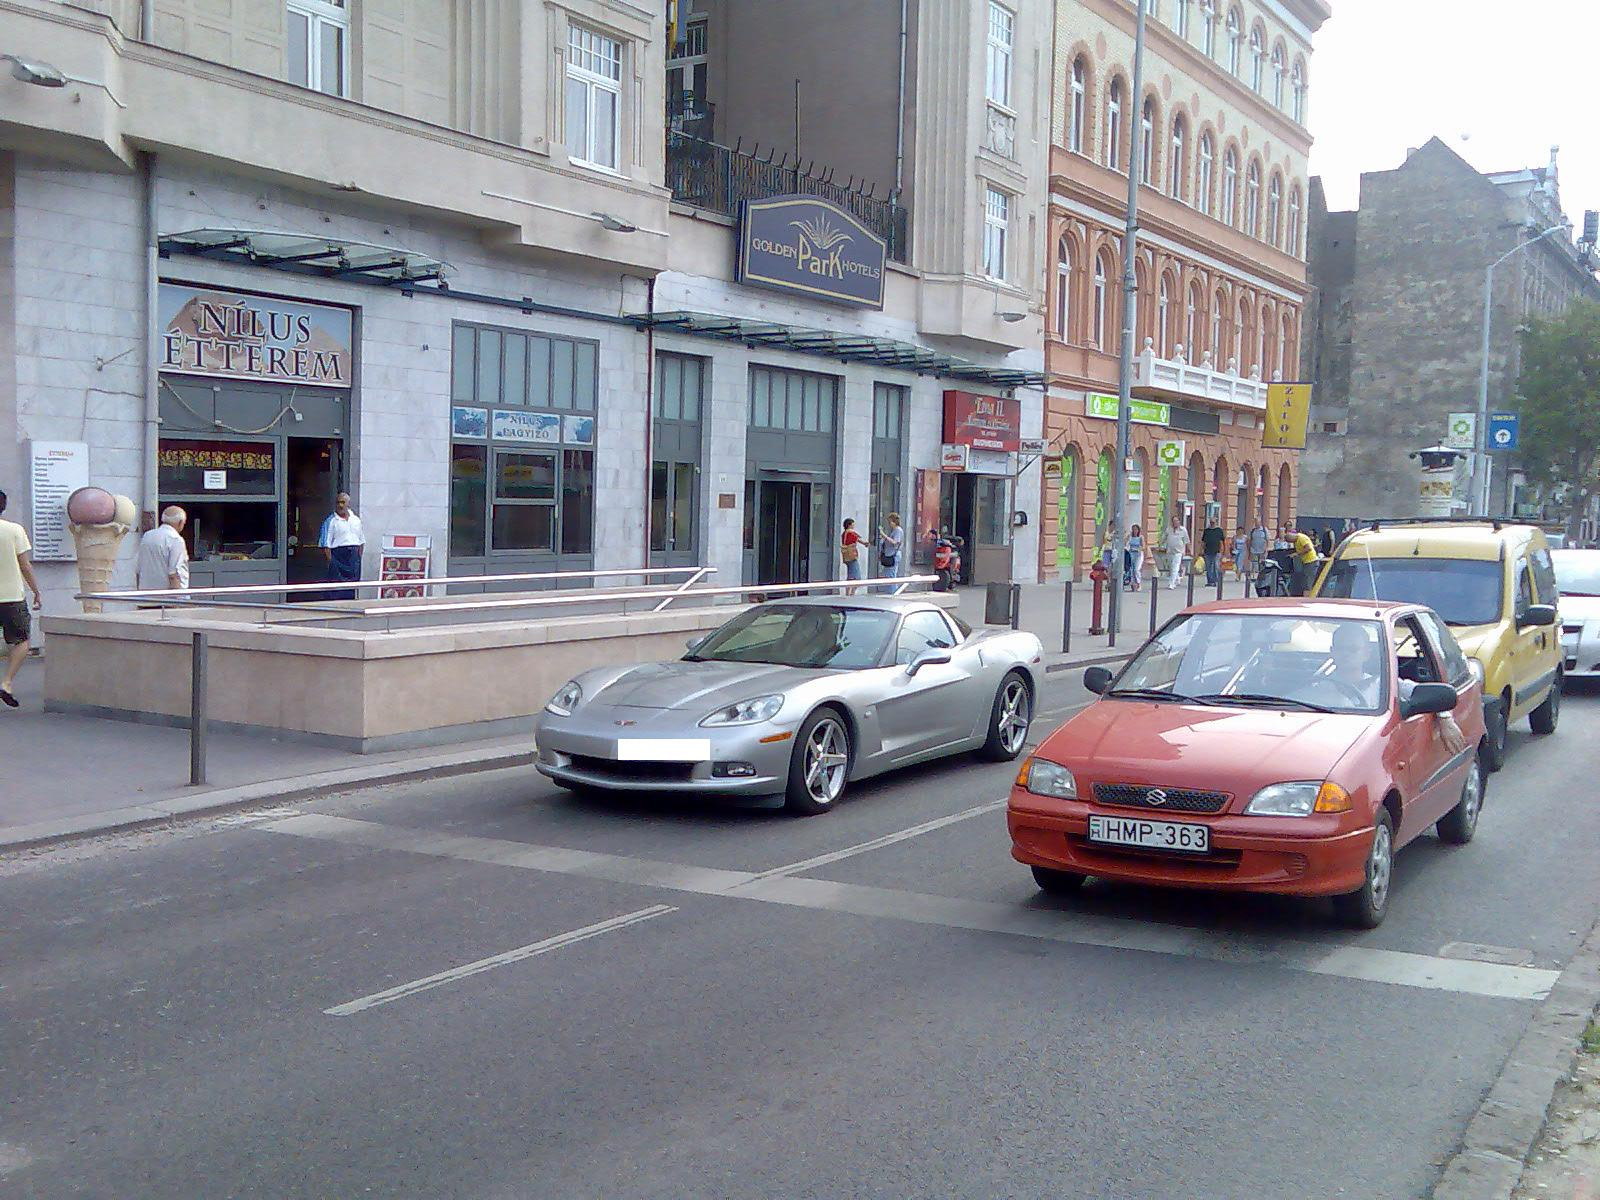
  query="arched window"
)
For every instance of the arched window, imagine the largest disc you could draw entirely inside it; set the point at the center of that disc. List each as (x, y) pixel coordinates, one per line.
(1144, 305)
(1147, 131)
(1252, 199)
(1064, 290)
(1258, 58)
(1275, 209)
(1202, 188)
(1164, 320)
(1153, 7)
(1286, 358)
(1280, 68)
(1230, 186)
(1291, 243)
(1218, 347)
(1114, 125)
(1080, 94)
(1269, 342)
(1102, 300)
(1297, 88)
(1208, 27)
(1235, 32)
(1191, 325)
(1236, 338)
(1180, 18)
(1175, 158)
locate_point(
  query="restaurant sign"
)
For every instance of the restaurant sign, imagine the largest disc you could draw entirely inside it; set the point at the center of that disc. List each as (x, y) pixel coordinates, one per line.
(229, 335)
(802, 244)
(982, 422)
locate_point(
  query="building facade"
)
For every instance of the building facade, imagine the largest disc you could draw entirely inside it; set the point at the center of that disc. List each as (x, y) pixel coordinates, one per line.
(1394, 345)
(1220, 276)
(479, 265)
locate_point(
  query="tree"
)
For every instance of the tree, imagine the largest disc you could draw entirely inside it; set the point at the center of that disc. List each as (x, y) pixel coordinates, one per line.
(1559, 389)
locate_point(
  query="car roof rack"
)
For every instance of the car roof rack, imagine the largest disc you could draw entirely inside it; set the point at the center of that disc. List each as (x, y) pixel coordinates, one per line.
(1497, 523)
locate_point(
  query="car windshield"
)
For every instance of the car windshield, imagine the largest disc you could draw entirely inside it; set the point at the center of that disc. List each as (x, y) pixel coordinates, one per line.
(802, 635)
(1263, 660)
(1463, 591)
(1577, 572)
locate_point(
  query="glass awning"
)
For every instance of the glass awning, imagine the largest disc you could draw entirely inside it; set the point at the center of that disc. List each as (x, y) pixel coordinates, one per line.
(333, 258)
(845, 347)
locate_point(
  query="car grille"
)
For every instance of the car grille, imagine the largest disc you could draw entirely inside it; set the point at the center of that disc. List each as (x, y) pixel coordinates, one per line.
(651, 772)
(1128, 795)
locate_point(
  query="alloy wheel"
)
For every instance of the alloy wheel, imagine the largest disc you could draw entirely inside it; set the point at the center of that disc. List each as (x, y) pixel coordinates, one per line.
(826, 759)
(1014, 715)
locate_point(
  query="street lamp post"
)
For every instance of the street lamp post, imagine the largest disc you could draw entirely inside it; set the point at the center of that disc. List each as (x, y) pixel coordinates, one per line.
(1130, 247)
(1480, 457)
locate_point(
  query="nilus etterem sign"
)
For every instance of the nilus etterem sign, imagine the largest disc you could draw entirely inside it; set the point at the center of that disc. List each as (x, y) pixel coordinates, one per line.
(231, 335)
(802, 244)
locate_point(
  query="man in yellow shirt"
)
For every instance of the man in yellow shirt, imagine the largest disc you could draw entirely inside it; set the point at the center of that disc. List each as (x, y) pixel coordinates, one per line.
(16, 624)
(1305, 561)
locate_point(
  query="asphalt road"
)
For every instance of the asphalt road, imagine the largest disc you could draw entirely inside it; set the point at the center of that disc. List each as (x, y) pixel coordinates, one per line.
(484, 988)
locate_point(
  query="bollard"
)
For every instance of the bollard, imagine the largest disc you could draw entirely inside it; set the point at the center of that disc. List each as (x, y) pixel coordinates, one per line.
(1155, 596)
(1066, 616)
(1098, 576)
(197, 711)
(1191, 584)
(1016, 605)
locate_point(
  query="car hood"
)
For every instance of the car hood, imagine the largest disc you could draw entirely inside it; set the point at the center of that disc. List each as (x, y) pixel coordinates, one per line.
(692, 685)
(1477, 641)
(1219, 749)
(1580, 608)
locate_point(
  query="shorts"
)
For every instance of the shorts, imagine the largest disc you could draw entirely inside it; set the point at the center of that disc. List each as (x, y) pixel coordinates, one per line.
(16, 623)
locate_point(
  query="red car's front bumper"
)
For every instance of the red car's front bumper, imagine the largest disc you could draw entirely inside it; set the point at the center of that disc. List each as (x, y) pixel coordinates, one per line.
(1296, 856)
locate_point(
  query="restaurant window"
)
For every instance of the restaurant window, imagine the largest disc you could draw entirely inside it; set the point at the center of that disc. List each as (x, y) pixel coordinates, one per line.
(229, 488)
(319, 44)
(594, 98)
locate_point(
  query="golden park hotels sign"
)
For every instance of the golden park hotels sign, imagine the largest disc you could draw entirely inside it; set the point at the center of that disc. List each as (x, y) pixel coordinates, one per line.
(804, 245)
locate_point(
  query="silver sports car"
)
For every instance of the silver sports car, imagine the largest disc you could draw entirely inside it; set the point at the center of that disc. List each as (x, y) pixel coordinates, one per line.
(797, 697)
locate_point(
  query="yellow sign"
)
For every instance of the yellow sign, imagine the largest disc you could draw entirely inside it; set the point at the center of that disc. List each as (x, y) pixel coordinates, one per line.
(1288, 410)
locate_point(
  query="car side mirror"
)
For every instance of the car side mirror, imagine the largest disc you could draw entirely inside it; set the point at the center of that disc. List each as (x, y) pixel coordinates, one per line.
(1537, 615)
(1097, 679)
(1428, 698)
(928, 658)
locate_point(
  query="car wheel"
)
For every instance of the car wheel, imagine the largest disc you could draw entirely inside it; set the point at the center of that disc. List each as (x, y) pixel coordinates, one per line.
(1009, 718)
(1496, 719)
(819, 764)
(1458, 825)
(1057, 883)
(1543, 719)
(1366, 907)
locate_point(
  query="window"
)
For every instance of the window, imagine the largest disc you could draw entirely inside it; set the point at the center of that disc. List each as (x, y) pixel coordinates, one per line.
(1097, 332)
(1080, 85)
(1217, 309)
(319, 44)
(1286, 356)
(1164, 320)
(794, 401)
(1455, 662)
(1297, 89)
(1114, 125)
(1191, 325)
(1274, 209)
(1147, 132)
(1279, 69)
(1208, 27)
(1292, 239)
(524, 501)
(1462, 591)
(1252, 200)
(1001, 32)
(996, 219)
(1180, 18)
(1230, 186)
(1235, 31)
(1258, 57)
(889, 405)
(1063, 290)
(921, 631)
(1175, 160)
(1203, 180)
(594, 98)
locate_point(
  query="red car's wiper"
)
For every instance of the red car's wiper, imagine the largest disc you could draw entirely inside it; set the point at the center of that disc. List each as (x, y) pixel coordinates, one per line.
(1157, 694)
(1262, 698)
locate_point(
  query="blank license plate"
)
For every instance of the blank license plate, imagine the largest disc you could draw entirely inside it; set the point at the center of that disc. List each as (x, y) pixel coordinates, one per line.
(1150, 835)
(663, 749)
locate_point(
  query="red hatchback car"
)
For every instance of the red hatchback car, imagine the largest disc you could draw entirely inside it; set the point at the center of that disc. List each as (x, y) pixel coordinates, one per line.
(1286, 746)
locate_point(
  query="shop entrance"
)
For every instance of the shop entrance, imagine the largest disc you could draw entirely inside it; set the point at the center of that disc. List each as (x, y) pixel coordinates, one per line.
(975, 508)
(790, 534)
(315, 469)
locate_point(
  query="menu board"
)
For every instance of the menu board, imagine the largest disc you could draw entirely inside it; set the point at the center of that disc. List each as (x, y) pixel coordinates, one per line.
(58, 470)
(405, 560)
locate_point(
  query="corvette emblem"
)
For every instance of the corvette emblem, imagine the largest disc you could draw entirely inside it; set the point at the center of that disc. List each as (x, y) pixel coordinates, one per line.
(625, 722)
(1155, 797)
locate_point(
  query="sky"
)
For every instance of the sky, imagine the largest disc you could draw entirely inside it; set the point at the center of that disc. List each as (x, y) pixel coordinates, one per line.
(1499, 81)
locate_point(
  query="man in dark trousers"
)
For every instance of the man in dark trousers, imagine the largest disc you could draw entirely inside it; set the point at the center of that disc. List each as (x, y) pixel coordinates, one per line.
(1211, 542)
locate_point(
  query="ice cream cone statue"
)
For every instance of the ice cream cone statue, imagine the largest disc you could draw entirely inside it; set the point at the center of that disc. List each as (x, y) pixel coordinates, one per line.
(99, 521)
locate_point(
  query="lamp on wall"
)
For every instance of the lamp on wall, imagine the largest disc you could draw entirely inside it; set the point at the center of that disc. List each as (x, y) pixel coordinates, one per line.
(30, 70)
(614, 224)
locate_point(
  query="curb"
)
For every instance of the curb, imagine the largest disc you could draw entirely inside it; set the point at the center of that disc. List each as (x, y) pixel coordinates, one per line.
(1488, 1164)
(221, 800)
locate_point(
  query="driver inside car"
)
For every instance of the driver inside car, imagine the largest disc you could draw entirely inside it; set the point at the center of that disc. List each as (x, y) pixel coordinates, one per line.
(1349, 678)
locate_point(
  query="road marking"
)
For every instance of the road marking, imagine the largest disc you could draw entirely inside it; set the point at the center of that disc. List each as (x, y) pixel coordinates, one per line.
(888, 839)
(466, 970)
(1022, 919)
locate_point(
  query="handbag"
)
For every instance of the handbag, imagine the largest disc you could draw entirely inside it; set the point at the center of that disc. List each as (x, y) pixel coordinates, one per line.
(848, 553)
(1198, 566)
(887, 553)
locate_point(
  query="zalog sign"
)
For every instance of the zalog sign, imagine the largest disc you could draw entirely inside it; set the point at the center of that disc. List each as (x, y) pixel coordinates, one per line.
(802, 244)
(982, 422)
(1288, 411)
(228, 335)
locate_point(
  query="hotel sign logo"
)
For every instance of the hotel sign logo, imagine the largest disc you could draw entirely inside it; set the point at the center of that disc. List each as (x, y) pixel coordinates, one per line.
(805, 245)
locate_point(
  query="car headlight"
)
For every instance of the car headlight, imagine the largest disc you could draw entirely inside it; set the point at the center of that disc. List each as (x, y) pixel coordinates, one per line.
(1045, 778)
(746, 712)
(564, 701)
(1298, 799)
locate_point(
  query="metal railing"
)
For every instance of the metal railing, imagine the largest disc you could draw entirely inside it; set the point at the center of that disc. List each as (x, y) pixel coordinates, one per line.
(719, 178)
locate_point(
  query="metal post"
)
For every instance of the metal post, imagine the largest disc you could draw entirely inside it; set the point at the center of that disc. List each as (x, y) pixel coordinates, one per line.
(1480, 480)
(1155, 596)
(1130, 249)
(1191, 583)
(1221, 577)
(1066, 616)
(197, 711)
(1016, 605)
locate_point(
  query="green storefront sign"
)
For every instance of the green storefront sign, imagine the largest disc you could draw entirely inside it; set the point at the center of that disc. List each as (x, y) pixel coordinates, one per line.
(1141, 412)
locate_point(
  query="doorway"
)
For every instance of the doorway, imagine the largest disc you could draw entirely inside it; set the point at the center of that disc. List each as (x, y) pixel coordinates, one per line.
(314, 469)
(791, 530)
(975, 509)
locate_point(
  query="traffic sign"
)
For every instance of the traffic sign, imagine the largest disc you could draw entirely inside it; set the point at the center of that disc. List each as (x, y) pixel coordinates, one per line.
(1502, 431)
(1171, 454)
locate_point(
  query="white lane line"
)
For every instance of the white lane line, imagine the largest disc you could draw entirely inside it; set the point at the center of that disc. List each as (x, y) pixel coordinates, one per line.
(1020, 919)
(466, 970)
(888, 839)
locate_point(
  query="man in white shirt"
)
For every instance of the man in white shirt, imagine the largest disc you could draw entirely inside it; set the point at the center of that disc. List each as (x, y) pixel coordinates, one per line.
(1177, 549)
(163, 558)
(342, 541)
(16, 623)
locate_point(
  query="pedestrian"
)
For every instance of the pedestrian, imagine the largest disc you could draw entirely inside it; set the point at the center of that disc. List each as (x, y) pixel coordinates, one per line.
(1258, 544)
(1177, 551)
(342, 541)
(163, 556)
(1135, 557)
(1305, 562)
(1241, 553)
(850, 543)
(1212, 540)
(16, 623)
(1281, 539)
(891, 546)
(1326, 542)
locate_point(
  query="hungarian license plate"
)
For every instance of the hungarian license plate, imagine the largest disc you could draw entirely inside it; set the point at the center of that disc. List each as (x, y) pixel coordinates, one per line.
(663, 749)
(1150, 835)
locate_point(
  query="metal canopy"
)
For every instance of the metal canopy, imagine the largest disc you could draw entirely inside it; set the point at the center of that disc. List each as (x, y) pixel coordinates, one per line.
(333, 258)
(845, 347)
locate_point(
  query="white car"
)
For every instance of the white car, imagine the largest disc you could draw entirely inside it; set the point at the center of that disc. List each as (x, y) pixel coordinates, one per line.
(1578, 575)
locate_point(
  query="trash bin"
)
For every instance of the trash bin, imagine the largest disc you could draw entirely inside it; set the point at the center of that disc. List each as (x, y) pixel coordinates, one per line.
(997, 604)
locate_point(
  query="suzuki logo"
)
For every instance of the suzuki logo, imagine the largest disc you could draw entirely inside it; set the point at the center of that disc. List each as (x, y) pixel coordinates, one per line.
(1155, 797)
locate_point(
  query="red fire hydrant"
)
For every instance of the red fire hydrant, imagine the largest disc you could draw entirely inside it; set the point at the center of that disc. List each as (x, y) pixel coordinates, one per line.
(1098, 574)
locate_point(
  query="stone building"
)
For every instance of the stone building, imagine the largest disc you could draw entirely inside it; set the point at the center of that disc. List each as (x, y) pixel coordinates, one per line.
(483, 266)
(1393, 343)
(1221, 277)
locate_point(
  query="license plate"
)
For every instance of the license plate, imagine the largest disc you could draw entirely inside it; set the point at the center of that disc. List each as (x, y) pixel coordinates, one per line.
(663, 749)
(1150, 835)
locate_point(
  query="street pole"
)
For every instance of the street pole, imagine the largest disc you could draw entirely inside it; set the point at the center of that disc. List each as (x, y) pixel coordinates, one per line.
(1130, 249)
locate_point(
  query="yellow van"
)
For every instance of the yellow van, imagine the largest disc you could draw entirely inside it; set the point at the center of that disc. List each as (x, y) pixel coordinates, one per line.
(1494, 585)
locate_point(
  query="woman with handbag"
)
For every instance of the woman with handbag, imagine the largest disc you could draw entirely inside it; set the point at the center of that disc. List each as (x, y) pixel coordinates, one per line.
(850, 543)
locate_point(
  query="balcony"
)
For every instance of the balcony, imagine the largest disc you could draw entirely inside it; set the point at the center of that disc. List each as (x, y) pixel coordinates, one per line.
(1173, 378)
(718, 179)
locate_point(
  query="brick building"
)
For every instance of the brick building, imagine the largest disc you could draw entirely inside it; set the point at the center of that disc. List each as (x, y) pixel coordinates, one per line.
(1221, 274)
(1393, 340)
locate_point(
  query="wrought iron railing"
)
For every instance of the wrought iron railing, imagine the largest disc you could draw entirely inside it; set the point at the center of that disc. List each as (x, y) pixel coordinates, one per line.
(720, 179)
